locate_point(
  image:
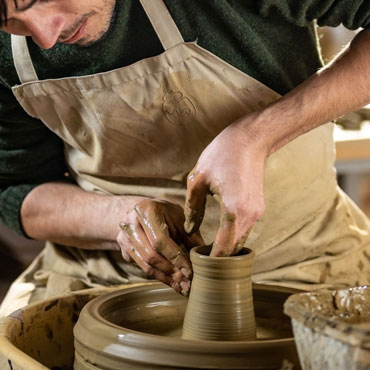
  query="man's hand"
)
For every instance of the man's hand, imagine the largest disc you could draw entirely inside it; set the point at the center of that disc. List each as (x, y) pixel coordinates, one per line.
(153, 232)
(153, 236)
(231, 168)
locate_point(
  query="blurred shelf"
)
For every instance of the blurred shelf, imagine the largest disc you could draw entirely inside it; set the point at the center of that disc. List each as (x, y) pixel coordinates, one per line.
(352, 145)
(353, 160)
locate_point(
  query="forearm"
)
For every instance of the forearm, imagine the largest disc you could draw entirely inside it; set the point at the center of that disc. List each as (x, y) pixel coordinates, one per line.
(339, 88)
(64, 213)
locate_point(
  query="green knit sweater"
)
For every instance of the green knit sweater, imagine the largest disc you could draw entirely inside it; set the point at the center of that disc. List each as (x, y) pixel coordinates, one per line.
(274, 41)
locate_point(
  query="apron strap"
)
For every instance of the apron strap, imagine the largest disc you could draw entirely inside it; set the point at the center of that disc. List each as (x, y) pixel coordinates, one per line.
(162, 22)
(157, 12)
(22, 59)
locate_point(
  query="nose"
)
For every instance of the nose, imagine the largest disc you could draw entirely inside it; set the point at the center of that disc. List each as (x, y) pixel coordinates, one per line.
(46, 30)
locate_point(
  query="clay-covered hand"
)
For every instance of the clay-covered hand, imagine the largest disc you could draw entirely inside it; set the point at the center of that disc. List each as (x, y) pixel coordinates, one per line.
(231, 168)
(153, 236)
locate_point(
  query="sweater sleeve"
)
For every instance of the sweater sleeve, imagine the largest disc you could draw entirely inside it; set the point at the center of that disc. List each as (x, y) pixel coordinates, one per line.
(30, 154)
(352, 14)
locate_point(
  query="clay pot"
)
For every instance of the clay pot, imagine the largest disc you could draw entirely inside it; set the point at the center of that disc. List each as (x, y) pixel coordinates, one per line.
(220, 304)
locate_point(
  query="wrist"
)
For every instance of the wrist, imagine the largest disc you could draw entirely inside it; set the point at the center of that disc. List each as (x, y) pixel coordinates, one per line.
(116, 211)
(253, 127)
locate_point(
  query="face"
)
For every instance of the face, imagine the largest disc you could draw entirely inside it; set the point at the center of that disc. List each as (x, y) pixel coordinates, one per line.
(48, 22)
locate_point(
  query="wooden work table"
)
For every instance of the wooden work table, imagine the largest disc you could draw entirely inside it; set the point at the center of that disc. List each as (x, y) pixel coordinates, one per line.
(353, 158)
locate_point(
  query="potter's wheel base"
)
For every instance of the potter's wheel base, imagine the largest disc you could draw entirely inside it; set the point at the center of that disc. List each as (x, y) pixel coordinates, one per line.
(140, 328)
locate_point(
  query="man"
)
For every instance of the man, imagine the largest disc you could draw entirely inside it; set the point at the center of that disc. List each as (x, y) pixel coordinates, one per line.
(133, 128)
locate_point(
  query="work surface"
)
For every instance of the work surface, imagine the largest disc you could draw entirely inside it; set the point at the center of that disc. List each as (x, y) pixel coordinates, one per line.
(353, 145)
(353, 161)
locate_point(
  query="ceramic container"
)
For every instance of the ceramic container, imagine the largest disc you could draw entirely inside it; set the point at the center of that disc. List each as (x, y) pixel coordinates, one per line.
(220, 304)
(332, 328)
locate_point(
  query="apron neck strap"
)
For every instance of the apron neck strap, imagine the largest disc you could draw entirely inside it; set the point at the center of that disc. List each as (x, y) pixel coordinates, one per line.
(22, 59)
(162, 22)
(156, 10)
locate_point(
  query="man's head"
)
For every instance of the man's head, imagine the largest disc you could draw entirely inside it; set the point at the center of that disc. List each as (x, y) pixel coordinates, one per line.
(48, 22)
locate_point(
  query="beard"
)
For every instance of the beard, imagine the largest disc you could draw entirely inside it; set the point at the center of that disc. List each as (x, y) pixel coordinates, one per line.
(89, 40)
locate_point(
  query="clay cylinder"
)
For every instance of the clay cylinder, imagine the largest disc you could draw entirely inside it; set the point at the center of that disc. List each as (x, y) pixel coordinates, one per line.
(220, 304)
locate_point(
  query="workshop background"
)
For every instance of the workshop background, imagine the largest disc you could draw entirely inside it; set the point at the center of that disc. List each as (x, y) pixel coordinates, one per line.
(352, 135)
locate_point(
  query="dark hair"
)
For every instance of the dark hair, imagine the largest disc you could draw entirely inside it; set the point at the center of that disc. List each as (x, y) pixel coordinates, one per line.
(4, 11)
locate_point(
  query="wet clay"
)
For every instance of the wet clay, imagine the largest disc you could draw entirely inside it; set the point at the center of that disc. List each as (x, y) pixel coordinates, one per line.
(220, 304)
(141, 328)
(168, 321)
(332, 328)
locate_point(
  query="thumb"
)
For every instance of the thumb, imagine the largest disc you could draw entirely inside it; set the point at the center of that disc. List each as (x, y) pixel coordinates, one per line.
(195, 202)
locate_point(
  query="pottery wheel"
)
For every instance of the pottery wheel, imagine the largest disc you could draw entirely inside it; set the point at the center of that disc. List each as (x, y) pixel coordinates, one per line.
(140, 328)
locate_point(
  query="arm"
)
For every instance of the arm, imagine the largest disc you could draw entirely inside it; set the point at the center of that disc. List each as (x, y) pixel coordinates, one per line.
(152, 232)
(66, 214)
(242, 148)
(339, 88)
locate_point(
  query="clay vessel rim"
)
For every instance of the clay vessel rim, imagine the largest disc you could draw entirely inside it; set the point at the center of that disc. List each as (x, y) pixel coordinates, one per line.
(132, 337)
(297, 310)
(206, 249)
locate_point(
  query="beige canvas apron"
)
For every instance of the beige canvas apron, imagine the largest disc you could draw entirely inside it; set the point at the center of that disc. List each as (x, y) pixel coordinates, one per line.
(140, 129)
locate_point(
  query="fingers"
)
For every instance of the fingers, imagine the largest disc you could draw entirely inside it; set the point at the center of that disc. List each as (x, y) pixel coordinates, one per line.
(139, 244)
(156, 226)
(240, 243)
(180, 235)
(195, 201)
(151, 262)
(177, 232)
(123, 240)
(228, 240)
(183, 241)
(225, 238)
(136, 256)
(193, 241)
(157, 242)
